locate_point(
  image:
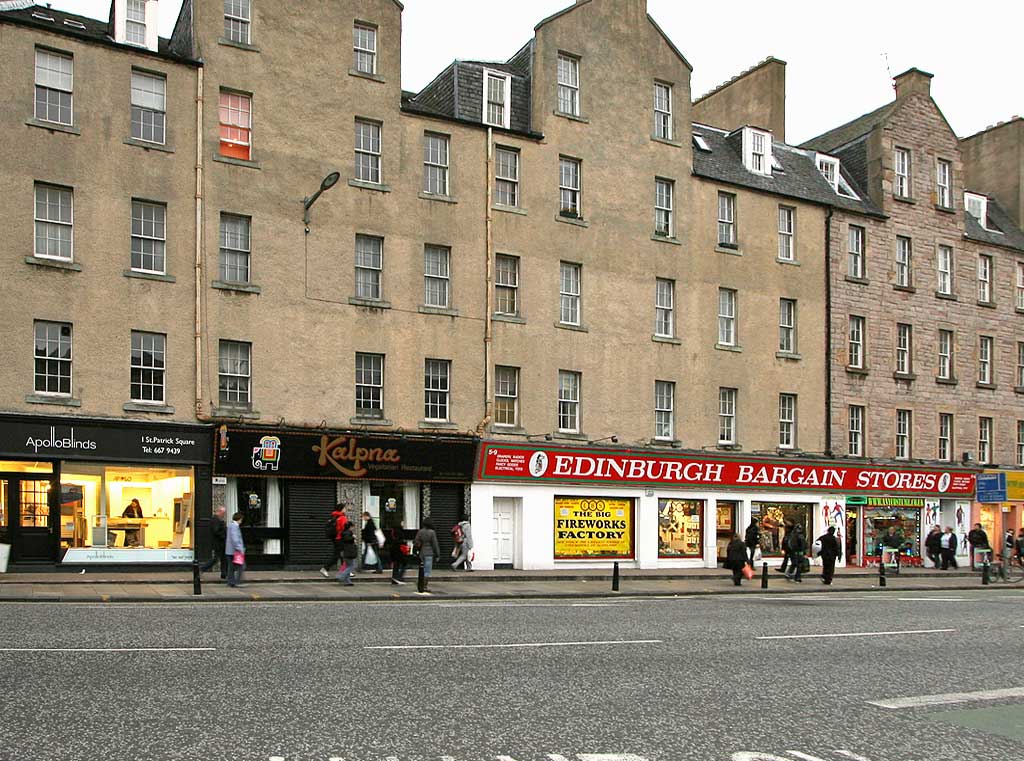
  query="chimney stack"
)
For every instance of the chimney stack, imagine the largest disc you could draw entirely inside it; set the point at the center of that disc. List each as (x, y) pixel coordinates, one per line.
(913, 82)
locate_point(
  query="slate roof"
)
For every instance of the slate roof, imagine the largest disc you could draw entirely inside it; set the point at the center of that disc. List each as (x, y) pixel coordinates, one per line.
(800, 178)
(1011, 236)
(841, 136)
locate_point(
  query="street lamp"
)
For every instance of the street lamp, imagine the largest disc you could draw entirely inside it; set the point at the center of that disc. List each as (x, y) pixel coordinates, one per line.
(328, 182)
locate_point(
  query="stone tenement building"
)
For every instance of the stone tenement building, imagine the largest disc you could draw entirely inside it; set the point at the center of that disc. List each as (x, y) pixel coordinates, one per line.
(264, 276)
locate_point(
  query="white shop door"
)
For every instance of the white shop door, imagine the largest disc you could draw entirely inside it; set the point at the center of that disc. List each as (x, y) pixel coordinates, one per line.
(504, 520)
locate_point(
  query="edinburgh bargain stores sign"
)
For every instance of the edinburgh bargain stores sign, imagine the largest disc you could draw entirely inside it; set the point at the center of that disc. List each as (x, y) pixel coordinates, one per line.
(498, 462)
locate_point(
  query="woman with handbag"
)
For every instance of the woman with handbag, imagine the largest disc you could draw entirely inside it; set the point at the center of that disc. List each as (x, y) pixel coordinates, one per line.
(234, 550)
(736, 560)
(399, 552)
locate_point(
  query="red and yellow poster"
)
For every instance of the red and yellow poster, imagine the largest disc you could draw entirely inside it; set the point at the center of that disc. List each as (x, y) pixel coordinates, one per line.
(593, 527)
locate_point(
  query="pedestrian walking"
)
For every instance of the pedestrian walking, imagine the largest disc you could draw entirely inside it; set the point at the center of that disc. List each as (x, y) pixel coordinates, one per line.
(1019, 547)
(398, 551)
(752, 539)
(218, 540)
(829, 551)
(333, 529)
(933, 545)
(463, 533)
(349, 553)
(948, 551)
(234, 548)
(427, 548)
(978, 540)
(371, 545)
(787, 526)
(1009, 544)
(797, 546)
(736, 558)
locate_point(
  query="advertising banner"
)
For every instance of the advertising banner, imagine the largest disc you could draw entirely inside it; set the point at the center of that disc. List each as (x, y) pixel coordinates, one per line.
(499, 461)
(593, 527)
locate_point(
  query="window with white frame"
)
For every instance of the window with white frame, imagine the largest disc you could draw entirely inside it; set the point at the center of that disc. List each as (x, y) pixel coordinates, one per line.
(664, 307)
(1020, 442)
(944, 183)
(506, 284)
(568, 85)
(904, 348)
(946, 339)
(904, 434)
(727, 220)
(855, 342)
(945, 448)
(727, 416)
(149, 237)
(944, 268)
(364, 48)
(855, 430)
(149, 107)
(985, 359)
(436, 389)
(904, 266)
(568, 401)
(664, 410)
(506, 396)
(497, 92)
(135, 22)
(54, 87)
(787, 326)
(235, 114)
(149, 363)
(369, 266)
(757, 151)
(368, 151)
(663, 193)
(237, 20)
(662, 111)
(726, 317)
(54, 222)
(569, 293)
(506, 177)
(53, 357)
(787, 252)
(369, 385)
(977, 207)
(830, 169)
(1020, 364)
(235, 248)
(234, 378)
(787, 421)
(985, 278)
(569, 187)
(901, 173)
(435, 164)
(1020, 285)
(436, 276)
(855, 257)
(984, 440)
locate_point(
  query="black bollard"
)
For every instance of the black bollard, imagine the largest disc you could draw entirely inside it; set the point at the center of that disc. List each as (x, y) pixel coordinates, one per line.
(881, 572)
(615, 577)
(421, 580)
(984, 572)
(764, 576)
(197, 581)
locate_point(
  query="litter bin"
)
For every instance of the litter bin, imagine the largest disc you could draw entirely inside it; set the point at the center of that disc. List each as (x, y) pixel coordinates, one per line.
(982, 557)
(891, 558)
(5, 555)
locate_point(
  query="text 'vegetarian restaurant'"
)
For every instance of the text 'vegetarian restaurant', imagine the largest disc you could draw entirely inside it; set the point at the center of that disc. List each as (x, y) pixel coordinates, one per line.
(555, 507)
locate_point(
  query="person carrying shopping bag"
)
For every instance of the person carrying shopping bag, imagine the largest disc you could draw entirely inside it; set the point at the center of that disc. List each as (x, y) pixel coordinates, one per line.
(372, 545)
(234, 549)
(427, 548)
(349, 553)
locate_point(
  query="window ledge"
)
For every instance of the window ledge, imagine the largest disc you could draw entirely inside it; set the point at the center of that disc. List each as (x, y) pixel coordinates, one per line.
(445, 311)
(1019, 310)
(57, 264)
(790, 262)
(53, 126)
(790, 355)
(147, 146)
(666, 141)
(725, 347)
(514, 318)
(906, 377)
(571, 117)
(946, 381)
(150, 276)
(371, 303)
(237, 413)
(240, 45)
(570, 435)
(237, 162)
(508, 430)
(159, 409)
(435, 197)
(1018, 389)
(578, 221)
(905, 288)
(367, 420)
(728, 447)
(568, 326)
(379, 187)
(905, 199)
(666, 239)
(945, 209)
(862, 371)
(58, 401)
(666, 340)
(727, 249)
(946, 296)
(987, 304)
(224, 285)
(857, 280)
(509, 209)
(440, 424)
(987, 386)
(366, 75)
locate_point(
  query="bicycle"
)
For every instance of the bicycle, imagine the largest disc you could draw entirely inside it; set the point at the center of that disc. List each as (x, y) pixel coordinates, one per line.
(1011, 572)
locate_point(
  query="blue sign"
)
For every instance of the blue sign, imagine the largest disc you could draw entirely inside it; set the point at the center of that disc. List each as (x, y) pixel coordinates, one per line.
(991, 487)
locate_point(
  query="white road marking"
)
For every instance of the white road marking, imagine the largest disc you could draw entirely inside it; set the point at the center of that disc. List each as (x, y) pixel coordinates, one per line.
(857, 634)
(528, 605)
(107, 649)
(935, 599)
(850, 755)
(609, 757)
(514, 644)
(804, 756)
(949, 698)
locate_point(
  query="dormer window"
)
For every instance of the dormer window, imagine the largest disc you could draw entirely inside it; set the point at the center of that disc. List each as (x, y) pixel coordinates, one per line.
(977, 207)
(496, 99)
(830, 169)
(757, 151)
(135, 23)
(700, 143)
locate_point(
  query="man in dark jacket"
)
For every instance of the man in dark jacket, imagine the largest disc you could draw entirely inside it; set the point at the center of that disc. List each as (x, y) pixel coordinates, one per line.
(797, 546)
(787, 528)
(978, 540)
(736, 558)
(948, 551)
(349, 553)
(340, 521)
(829, 553)
(370, 541)
(752, 539)
(933, 545)
(218, 535)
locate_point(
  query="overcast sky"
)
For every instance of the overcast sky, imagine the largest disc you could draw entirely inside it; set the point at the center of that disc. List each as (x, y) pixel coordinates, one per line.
(839, 54)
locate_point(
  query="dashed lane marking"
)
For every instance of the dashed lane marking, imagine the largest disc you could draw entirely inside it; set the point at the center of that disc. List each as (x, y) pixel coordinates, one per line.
(107, 649)
(516, 645)
(949, 698)
(857, 634)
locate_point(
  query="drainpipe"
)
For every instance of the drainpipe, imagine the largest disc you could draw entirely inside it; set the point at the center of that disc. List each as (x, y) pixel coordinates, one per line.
(199, 249)
(489, 298)
(828, 332)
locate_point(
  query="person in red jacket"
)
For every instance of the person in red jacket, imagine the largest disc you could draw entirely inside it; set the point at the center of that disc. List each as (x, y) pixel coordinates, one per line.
(340, 521)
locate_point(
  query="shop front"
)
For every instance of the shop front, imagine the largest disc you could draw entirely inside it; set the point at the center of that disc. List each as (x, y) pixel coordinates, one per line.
(286, 482)
(999, 506)
(84, 491)
(552, 507)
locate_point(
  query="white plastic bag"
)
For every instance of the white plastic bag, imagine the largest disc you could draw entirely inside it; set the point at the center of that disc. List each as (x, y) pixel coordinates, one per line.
(5, 555)
(379, 535)
(371, 556)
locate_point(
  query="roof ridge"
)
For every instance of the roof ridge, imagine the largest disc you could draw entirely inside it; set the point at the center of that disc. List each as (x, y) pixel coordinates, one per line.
(742, 74)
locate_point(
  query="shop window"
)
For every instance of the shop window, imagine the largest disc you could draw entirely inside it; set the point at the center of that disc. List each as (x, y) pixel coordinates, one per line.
(392, 505)
(259, 502)
(776, 519)
(903, 515)
(680, 528)
(35, 504)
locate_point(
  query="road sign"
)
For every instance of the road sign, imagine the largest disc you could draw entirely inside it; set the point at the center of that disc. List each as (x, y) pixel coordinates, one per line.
(991, 487)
